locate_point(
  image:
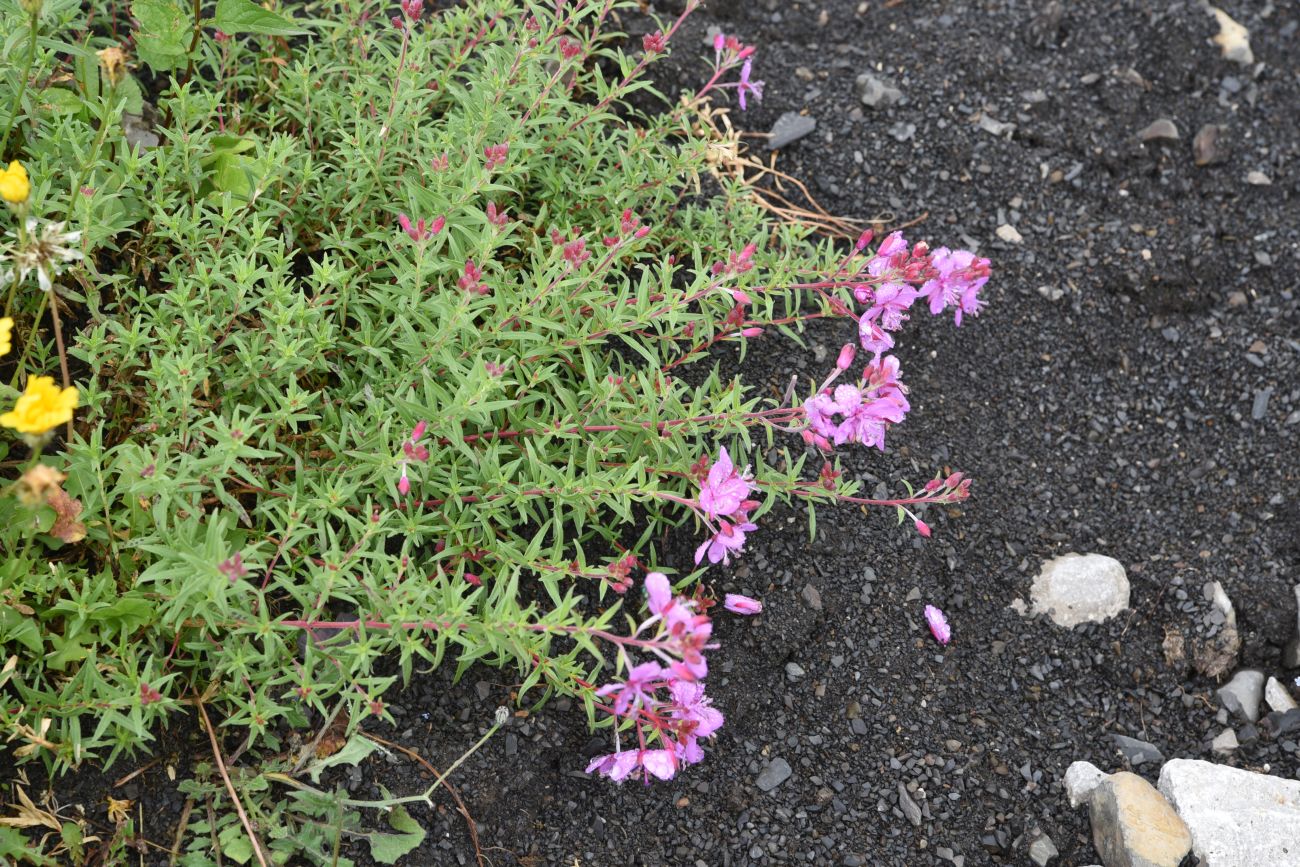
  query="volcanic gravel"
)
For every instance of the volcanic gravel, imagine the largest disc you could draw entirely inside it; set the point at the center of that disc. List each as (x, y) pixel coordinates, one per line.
(1132, 389)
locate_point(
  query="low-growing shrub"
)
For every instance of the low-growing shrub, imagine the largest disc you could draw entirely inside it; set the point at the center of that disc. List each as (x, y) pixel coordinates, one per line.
(378, 335)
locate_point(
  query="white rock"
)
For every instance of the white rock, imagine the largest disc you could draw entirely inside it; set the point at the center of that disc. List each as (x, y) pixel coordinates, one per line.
(1080, 588)
(1008, 233)
(1225, 742)
(1278, 696)
(1237, 818)
(1258, 179)
(1233, 39)
(1080, 779)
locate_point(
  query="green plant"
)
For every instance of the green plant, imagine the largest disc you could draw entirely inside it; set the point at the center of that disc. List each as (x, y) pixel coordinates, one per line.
(315, 433)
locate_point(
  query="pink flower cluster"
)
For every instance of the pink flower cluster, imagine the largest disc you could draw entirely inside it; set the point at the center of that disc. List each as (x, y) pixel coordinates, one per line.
(412, 452)
(664, 698)
(899, 275)
(859, 413)
(724, 499)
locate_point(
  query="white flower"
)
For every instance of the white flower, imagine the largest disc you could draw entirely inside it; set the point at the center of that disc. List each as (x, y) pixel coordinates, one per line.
(45, 249)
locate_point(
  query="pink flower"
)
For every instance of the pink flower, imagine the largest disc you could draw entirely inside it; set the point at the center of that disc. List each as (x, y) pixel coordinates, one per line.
(495, 217)
(724, 490)
(637, 690)
(938, 624)
(922, 527)
(894, 243)
(747, 86)
(873, 338)
(419, 231)
(654, 43)
(890, 304)
(729, 539)
(737, 604)
(404, 483)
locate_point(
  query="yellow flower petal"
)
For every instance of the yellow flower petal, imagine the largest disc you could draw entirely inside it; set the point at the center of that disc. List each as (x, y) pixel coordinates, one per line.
(6, 334)
(43, 407)
(14, 186)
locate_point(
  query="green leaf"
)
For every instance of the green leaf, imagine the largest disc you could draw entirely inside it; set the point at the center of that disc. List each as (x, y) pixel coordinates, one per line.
(245, 16)
(387, 848)
(166, 30)
(353, 752)
(60, 101)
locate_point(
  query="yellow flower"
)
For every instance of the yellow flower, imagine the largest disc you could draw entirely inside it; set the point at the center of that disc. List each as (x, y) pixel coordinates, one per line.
(6, 334)
(14, 186)
(43, 407)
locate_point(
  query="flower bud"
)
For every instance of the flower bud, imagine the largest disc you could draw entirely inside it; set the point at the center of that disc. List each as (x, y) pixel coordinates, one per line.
(922, 527)
(751, 332)
(847, 353)
(404, 484)
(863, 240)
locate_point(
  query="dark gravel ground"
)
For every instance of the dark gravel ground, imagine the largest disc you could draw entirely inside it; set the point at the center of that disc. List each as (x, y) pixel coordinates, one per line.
(1133, 390)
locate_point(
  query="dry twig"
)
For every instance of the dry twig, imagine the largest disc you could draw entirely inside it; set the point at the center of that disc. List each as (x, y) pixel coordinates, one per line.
(230, 787)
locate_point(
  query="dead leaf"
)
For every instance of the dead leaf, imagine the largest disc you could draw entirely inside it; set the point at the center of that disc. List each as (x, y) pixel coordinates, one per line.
(28, 815)
(36, 481)
(44, 484)
(334, 737)
(66, 526)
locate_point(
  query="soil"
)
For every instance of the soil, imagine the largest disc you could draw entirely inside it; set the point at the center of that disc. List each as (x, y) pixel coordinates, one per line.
(1133, 389)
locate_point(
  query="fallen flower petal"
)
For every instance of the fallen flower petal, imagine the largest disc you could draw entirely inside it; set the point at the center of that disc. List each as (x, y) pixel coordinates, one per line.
(938, 624)
(737, 604)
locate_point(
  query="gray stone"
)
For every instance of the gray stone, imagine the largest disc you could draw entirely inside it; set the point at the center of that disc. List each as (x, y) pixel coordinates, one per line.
(1291, 653)
(1242, 694)
(1210, 147)
(908, 806)
(1278, 697)
(1081, 778)
(1216, 654)
(1137, 752)
(877, 93)
(794, 670)
(1225, 742)
(1159, 131)
(812, 597)
(1042, 851)
(1235, 817)
(1080, 588)
(1133, 826)
(789, 128)
(777, 772)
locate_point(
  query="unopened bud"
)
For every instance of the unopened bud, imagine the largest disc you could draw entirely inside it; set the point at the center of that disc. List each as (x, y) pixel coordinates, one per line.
(863, 240)
(847, 353)
(922, 528)
(751, 332)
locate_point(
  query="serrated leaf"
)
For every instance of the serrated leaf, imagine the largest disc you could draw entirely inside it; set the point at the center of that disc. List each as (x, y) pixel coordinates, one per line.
(353, 753)
(245, 16)
(165, 33)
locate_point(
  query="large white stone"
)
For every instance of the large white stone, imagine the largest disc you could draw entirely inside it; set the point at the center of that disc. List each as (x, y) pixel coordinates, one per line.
(1080, 588)
(1237, 818)
(1081, 778)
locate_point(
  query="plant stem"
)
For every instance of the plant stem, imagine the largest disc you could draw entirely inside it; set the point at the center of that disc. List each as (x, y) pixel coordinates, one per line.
(22, 82)
(27, 344)
(63, 354)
